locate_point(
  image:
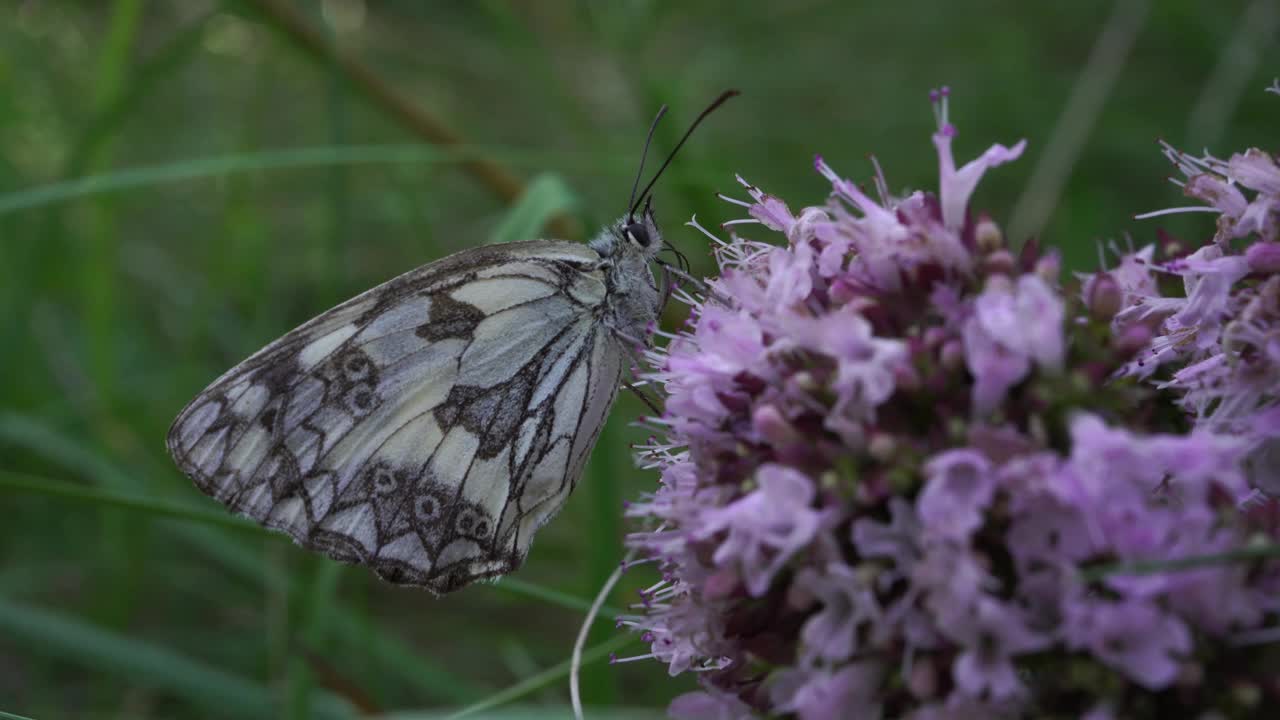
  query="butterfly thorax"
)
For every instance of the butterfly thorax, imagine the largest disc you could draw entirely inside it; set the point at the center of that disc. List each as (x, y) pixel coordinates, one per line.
(626, 249)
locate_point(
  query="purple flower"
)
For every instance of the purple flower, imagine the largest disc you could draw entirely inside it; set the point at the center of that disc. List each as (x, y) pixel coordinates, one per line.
(991, 637)
(893, 238)
(1136, 638)
(865, 364)
(771, 211)
(1213, 181)
(995, 368)
(1263, 257)
(1217, 599)
(712, 705)
(846, 601)
(1218, 191)
(1012, 325)
(1207, 276)
(1263, 461)
(953, 580)
(891, 469)
(1101, 711)
(1256, 170)
(845, 694)
(764, 527)
(897, 541)
(1026, 318)
(1046, 530)
(790, 275)
(955, 186)
(960, 706)
(879, 240)
(959, 487)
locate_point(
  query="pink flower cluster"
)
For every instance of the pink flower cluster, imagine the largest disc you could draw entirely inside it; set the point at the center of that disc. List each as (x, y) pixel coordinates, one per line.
(905, 474)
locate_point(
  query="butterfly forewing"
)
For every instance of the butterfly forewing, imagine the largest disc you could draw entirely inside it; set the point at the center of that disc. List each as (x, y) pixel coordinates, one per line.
(425, 428)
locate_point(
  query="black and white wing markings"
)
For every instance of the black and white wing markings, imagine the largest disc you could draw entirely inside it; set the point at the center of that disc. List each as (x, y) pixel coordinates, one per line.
(426, 427)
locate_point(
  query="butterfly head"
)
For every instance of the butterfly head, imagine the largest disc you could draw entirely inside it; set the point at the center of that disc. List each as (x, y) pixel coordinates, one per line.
(636, 233)
(640, 231)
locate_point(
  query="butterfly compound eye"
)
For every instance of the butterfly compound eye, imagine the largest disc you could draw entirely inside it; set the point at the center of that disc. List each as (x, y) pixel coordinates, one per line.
(638, 234)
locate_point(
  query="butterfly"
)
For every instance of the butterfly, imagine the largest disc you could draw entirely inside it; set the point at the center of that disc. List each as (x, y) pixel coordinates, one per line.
(428, 427)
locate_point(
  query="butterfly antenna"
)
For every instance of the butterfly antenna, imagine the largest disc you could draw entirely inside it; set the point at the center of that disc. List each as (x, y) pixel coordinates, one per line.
(644, 154)
(715, 104)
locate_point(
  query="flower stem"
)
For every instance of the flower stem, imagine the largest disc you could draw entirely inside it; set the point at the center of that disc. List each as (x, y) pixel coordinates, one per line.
(501, 182)
(1151, 567)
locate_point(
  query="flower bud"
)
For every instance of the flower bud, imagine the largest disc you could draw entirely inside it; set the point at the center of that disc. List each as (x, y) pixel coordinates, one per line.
(882, 446)
(805, 382)
(1000, 262)
(1246, 694)
(1131, 339)
(1264, 257)
(987, 235)
(952, 355)
(1103, 296)
(906, 378)
(841, 292)
(922, 681)
(799, 597)
(934, 336)
(772, 426)
(720, 584)
(1049, 267)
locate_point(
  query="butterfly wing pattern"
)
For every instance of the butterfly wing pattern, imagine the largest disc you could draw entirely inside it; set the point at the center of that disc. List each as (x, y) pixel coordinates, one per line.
(425, 428)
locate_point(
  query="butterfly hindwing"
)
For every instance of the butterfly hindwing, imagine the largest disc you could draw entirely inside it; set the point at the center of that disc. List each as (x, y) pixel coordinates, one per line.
(425, 428)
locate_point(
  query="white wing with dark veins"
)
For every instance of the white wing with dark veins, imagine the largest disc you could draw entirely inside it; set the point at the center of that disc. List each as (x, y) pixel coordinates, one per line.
(426, 428)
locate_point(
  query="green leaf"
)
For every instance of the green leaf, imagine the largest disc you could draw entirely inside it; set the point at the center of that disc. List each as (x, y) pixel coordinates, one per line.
(141, 663)
(543, 198)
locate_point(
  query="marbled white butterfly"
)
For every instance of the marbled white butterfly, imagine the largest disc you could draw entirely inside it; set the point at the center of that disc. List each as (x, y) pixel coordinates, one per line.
(429, 426)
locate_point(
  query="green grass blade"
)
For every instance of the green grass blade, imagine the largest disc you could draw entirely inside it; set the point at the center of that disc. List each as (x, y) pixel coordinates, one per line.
(534, 682)
(294, 158)
(604, 552)
(142, 81)
(543, 712)
(394, 657)
(391, 654)
(133, 178)
(516, 586)
(545, 197)
(10, 716)
(34, 435)
(24, 482)
(142, 663)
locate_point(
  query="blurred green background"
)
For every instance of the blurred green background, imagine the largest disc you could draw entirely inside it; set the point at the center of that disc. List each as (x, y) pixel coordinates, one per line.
(181, 182)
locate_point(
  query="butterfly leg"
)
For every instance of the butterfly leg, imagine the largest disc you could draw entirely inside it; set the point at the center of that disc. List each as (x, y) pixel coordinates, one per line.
(633, 347)
(697, 284)
(653, 405)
